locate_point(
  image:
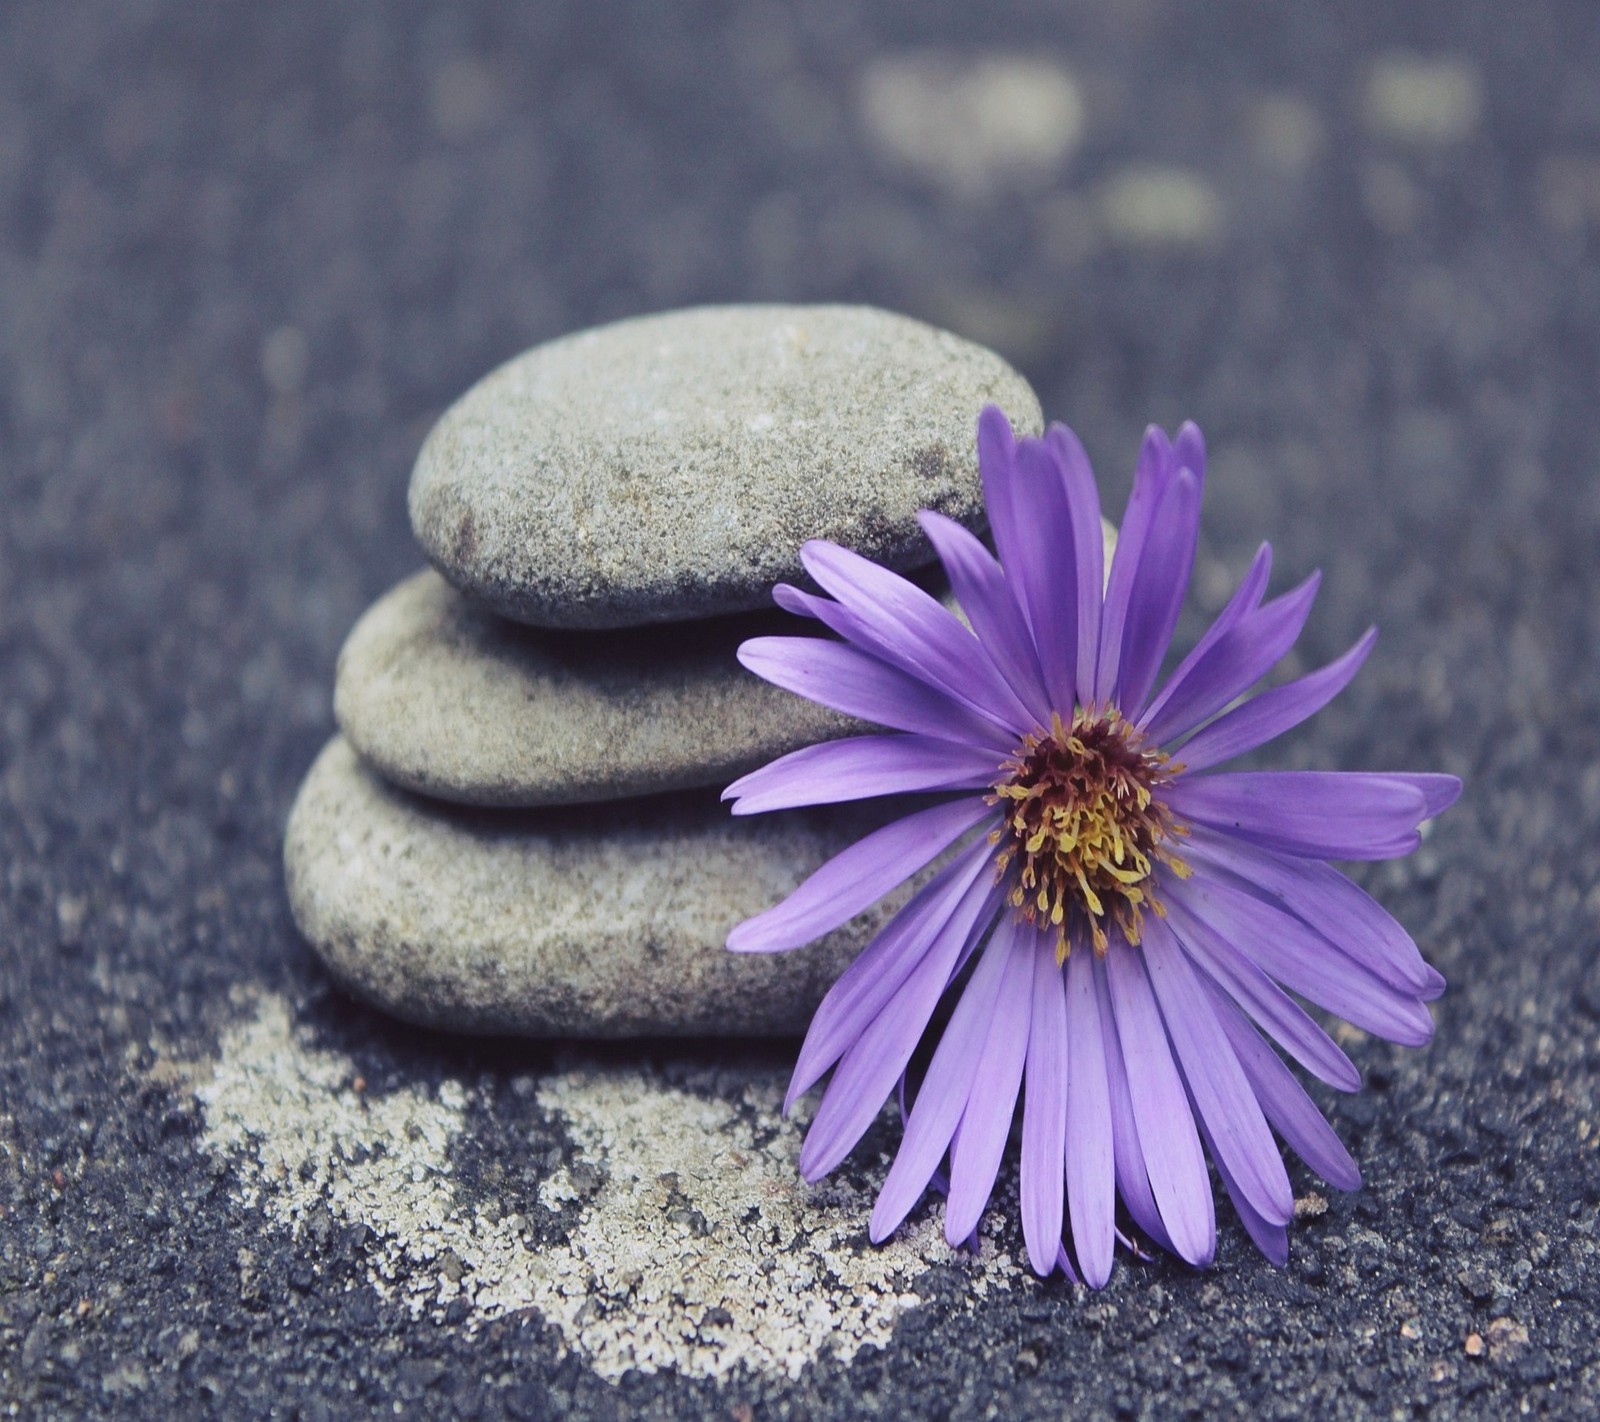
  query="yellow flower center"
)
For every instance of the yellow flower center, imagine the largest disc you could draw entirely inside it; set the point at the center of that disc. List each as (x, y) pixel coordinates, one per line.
(1085, 826)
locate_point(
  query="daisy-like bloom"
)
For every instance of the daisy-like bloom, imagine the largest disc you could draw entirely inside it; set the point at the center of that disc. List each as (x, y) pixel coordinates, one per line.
(1118, 925)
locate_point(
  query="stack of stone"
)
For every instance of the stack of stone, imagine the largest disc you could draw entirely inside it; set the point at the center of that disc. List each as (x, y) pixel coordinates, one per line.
(519, 830)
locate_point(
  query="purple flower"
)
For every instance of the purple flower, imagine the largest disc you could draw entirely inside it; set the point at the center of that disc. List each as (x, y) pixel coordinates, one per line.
(1138, 920)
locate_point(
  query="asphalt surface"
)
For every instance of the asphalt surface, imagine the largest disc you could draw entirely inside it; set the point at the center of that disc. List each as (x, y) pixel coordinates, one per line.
(247, 255)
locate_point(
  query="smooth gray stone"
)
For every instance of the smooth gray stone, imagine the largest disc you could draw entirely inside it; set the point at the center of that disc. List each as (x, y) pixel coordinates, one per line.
(669, 467)
(572, 922)
(455, 702)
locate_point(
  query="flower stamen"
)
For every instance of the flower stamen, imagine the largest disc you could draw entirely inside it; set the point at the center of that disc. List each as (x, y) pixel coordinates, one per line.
(1085, 826)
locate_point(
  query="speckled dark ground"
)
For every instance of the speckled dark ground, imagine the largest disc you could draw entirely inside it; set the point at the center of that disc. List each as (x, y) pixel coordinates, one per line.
(248, 253)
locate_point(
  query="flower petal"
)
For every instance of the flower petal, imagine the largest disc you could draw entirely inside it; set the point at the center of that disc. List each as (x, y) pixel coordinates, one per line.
(860, 768)
(876, 1059)
(1293, 1114)
(1277, 1013)
(801, 604)
(1133, 1178)
(1224, 1102)
(1239, 659)
(1044, 1111)
(1064, 1264)
(1270, 1238)
(1044, 510)
(943, 1097)
(1269, 715)
(1017, 509)
(858, 877)
(914, 631)
(992, 1101)
(1090, 1159)
(980, 587)
(1189, 450)
(926, 664)
(1305, 962)
(1318, 814)
(1045, 581)
(860, 684)
(1160, 588)
(1327, 900)
(930, 929)
(1246, 600)
(1150, 478)
(1167, 1133)
(997, 452)
(1088, 548)
(1439, 792)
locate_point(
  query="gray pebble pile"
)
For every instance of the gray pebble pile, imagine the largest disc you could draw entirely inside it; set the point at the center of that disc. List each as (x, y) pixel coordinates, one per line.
(518, 829)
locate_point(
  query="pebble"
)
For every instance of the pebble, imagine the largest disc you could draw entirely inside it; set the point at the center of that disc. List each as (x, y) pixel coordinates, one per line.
(669, 467)
(454, 702)
(566, 922)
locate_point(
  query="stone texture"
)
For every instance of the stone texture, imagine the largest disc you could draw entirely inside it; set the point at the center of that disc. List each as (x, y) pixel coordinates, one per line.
(562, 922)
(669, 467)
(452, 701)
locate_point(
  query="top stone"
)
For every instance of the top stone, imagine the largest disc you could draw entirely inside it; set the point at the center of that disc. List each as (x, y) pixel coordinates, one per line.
(669, 467)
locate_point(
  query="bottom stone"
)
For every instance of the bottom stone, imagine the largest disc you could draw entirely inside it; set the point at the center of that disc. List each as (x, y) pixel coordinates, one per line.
(583, 921)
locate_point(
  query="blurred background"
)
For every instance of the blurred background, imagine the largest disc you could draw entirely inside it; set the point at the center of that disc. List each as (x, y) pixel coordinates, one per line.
(249, 252)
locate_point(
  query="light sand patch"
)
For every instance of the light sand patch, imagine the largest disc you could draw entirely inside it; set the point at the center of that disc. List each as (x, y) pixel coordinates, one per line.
(701, 1250)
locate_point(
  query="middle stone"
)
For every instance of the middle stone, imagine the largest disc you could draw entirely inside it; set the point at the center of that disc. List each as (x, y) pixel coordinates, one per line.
(451, 701)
